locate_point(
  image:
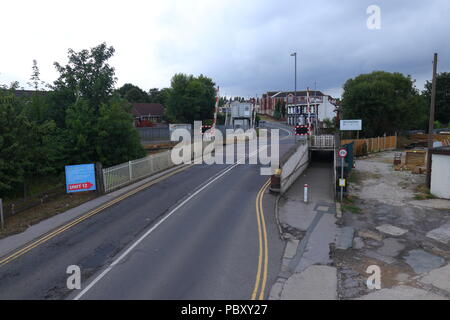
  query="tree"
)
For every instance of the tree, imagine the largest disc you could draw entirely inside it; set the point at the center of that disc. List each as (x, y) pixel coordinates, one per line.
(283, 109)
(117, 140)
(386, 102)
(81, 133)
(158, 95)
(133, 93)
(442, 113)
(13, 136)
(87, 75)
(35, 81)
(277, 111)
(190, 98)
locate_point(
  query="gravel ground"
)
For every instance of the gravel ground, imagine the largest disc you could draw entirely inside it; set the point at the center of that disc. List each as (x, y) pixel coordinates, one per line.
(392, 228)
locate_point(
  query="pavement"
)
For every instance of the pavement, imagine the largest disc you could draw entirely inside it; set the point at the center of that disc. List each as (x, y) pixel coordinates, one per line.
(307, 271)
(192, 235)
(331, 252)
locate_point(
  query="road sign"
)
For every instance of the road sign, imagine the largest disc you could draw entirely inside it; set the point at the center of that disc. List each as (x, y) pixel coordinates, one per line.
(343, 153)
(80, 178)
(341, 182)
(347, 125)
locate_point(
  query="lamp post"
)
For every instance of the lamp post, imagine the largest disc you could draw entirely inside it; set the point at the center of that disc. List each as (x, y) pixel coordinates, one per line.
(295, 72)
(295, 82)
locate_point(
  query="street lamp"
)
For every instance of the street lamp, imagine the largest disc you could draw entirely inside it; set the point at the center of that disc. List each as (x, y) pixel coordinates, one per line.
(295, 72)
(295, 85)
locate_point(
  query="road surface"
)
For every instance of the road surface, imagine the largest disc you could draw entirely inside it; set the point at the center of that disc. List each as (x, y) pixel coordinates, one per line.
(197, 234)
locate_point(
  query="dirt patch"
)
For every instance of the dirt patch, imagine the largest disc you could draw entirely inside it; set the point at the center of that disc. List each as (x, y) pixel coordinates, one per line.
(23, 220)
(385, 197)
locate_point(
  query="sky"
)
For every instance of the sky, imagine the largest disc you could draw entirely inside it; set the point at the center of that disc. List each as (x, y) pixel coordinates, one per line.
(244, 46)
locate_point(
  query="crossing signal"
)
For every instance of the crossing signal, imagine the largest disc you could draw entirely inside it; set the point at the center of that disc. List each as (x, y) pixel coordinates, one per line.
(301, 130)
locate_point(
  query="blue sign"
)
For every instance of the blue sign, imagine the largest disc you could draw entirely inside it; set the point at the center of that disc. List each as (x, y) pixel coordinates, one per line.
(80, 178)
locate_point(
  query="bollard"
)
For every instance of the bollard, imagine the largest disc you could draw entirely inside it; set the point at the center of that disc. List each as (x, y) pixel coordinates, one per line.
(305, 193)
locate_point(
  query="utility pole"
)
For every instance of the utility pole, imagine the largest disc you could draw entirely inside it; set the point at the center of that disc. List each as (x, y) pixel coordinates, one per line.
(431, 121)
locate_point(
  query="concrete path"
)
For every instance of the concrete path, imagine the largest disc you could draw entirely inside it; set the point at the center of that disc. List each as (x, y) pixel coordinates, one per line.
(310, 228)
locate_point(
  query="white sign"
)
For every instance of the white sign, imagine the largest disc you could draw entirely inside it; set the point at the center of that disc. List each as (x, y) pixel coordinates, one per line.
(341, 182)
(342, 153)
(351, 125)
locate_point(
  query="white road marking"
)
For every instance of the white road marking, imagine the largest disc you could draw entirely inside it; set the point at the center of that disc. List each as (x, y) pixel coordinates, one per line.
(137, 242)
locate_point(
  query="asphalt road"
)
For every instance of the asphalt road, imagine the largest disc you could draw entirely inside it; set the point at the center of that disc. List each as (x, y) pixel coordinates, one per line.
(194, 235)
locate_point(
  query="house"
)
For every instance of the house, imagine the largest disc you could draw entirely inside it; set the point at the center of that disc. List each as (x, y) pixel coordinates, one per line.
(241, 115)
(146, 114)
(322, 106)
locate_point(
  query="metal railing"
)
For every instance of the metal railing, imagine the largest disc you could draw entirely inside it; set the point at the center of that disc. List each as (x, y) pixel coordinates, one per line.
(128, 172)
(322, 142)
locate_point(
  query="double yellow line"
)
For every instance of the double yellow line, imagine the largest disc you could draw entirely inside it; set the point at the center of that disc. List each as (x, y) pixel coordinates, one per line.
(78, 220)
(261, 275)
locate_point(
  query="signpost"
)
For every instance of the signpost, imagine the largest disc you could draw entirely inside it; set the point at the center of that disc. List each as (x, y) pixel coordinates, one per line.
(351, 125)
(80, 178)
(348, 125)
(342, 154)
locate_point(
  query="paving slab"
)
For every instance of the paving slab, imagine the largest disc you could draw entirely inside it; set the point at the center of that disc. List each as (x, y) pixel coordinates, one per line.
(441, 234)
(296, 214)
(391, 247)
(422, 261)
(368, 234)
(377, 256)
(440, 278)
(401, 293)
(317, 249)
(391, 230)
(432, 203)
(315, 283)
(276, 290)
(291, 249)
(358, 243)
(345, 238)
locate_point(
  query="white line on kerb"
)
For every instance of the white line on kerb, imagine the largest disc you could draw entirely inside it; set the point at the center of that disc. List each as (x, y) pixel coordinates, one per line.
(137, 242)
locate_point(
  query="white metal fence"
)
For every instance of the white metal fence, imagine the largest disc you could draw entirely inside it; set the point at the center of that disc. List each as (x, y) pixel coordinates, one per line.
(322, 142)
(125, 173)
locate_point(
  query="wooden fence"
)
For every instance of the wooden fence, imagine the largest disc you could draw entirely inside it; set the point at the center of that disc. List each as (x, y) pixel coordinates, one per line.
(420, 137)
(372, 144)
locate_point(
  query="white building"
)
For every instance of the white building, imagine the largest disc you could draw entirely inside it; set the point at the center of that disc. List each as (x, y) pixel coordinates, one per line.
(241, 115)
(322, 106)
(440, 172)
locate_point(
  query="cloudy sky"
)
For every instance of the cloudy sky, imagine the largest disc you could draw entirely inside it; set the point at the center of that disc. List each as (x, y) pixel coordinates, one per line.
(244, 46)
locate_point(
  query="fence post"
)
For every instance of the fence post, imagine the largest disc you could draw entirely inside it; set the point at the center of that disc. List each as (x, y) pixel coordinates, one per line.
(100, 181)
(130, 170)
(1, 213)
(395, 146)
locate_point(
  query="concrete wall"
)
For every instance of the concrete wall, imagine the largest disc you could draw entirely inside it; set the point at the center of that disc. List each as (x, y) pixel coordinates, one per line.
(293, 164)
(440, 176)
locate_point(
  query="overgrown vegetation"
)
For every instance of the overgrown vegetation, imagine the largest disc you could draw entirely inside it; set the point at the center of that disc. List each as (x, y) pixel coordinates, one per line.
(386, 103)
(81, 120)
(423, 193)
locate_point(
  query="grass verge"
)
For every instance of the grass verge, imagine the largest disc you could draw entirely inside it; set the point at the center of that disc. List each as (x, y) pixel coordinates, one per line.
(25, 219)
